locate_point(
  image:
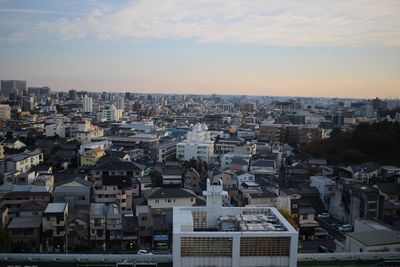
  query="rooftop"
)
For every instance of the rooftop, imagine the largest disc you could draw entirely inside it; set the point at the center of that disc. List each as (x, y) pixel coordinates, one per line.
(376, 237)
(56, 208)
(25, 222)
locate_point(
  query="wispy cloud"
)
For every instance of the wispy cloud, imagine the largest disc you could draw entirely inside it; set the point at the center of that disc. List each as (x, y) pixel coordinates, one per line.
(284, 22)
(37, 11)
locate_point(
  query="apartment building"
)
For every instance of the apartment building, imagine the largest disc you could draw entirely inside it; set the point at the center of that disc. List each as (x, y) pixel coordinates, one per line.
(13, 196)
(25, 234)
(235, 161)
(116, 167)
(90, 157)
(75, 192)
(55, 223)
(288, 133)
(21, 162)
(231, 236)
(117, 189)
(197, 145)
(5, 112)
(105, 225)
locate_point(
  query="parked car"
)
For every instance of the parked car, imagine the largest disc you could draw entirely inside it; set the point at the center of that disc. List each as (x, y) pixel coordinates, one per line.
(322, 249)
(144, 252)
(345, 228)
(324, 215)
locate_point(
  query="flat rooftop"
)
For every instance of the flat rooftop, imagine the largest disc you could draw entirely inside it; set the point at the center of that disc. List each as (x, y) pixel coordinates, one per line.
(56, 208)
(233, 219)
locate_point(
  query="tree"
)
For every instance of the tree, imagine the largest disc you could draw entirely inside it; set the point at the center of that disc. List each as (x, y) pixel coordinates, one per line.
(288, 216)
(5, 241)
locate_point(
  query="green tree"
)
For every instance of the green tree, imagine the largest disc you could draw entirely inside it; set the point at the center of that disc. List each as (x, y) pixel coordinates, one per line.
(288, 216)
(5, 241)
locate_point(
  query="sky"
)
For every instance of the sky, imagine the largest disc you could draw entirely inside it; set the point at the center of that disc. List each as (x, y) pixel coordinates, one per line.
(341, 48)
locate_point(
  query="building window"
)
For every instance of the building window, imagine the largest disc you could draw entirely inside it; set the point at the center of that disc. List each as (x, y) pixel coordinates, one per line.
(264, 246)
(206, 246)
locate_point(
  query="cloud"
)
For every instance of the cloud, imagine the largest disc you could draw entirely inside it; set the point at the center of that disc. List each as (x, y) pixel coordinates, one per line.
(36, 11)
(284, 22)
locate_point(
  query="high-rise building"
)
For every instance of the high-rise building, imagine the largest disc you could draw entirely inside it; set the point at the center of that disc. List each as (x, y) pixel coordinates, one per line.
(5, 112)
(72, 94)
(231, 236)
(120, 103)
(87, 104)
(28, 103)
(16, 87)
(39, 91)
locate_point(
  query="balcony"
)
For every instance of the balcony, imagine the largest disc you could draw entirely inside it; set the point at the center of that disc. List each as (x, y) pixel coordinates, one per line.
(58, 223)
(120, 197)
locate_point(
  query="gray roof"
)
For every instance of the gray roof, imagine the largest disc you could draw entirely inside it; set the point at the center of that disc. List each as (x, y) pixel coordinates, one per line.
(23, 155)
(25, 222)
(97, 209)
(376, 238)
(264, 163)
(113, 209)
(56, 208)
(306, 210)
(22, 188)
(172, 193)
(76, 179)
(389, 188)
(365, 167)
(117, 164)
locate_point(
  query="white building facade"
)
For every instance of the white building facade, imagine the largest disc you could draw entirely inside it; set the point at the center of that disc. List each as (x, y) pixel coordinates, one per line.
(198, 145)
(231, 236)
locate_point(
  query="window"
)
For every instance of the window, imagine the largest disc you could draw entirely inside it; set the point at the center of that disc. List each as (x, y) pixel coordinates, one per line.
(206, 246)
(264, 246)
(305, 216)
(157, 201)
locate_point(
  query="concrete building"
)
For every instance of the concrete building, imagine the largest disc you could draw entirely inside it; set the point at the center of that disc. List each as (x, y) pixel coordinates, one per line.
(54, 222)
(90, 157)
(352, 201)
(111, 114)
(166, 198)
(16, 87)
(120, 103)
(288, 133)
(5, 112)
(166, 150)
(370, 236)
(98, 225)
(231, 236)
(105, 225)
(75, 192)
(325, 187)
(21, 162)
(39, 91)
(235, 161)
(87, 104)
(197, 145)
(25, 234)
(54, 129)
(117, 189)
(14, 196)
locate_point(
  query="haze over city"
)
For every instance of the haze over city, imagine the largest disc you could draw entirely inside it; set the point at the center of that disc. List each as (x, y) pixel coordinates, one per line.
(300, 48)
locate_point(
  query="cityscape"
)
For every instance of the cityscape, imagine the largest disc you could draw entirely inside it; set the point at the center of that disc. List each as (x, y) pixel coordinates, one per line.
(199, 133)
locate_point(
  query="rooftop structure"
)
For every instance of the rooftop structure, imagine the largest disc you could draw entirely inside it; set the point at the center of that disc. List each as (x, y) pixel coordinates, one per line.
(231, 236)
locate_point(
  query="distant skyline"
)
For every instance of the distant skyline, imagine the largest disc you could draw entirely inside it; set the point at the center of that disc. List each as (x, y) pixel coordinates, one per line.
(259, 47)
